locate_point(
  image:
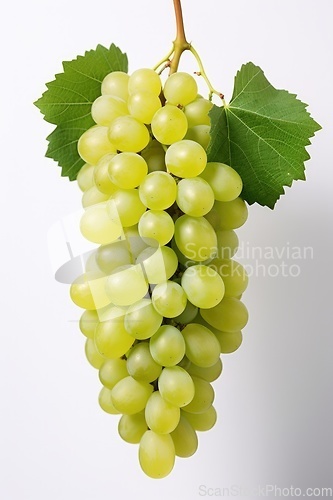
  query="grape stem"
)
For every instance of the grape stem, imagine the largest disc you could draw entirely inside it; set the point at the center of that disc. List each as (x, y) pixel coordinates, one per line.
(202, 73)
(166, 60)
(180, 45)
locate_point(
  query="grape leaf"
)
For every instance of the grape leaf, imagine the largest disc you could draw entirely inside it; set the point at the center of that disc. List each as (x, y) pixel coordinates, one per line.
(262, 134)
(68, 99)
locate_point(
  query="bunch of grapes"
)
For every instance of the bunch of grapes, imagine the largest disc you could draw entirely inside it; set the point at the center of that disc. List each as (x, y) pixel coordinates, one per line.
(161, 292)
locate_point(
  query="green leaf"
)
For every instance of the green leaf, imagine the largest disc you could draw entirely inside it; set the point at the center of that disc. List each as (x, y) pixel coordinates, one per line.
(68, 99)
(262, 134)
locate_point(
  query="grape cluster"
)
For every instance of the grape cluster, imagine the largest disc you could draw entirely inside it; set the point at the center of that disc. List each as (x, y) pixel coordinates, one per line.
(161, 291)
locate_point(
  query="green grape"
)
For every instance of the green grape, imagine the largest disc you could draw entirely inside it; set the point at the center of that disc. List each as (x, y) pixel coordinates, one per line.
(230, 315)
(116, 84)
(154, 155)
(105, 402)
(93, 356)
(167, 346)
(203, 286)
(190, 312)
(126, 285)
(158, 191)
(224, 180)
(141, 365)
(94, 143)
(213, 218)
(143, 105)
(233, 274)
(142, 320)
(129, 206)
(229, 341)
(200, 134)
(184, 438)
(169, 124)
(111, 338)
(180, 89)
(156, 454)
(99, 225)
(93, 196)
(128, 134)
(110, 257)
(209, 374)
(195, 197)
(231, 214)
(156, 227)
(197, 112)
(130, 396)
(203, 396)
(111, 371)
(162, 417)
(106, 108)
(135, 243)
(101, 175)
(88, 322)
(169, 299)
(80, 293)
(176, 386)
(127, 170)
(186, 158)
(87, 291)
(202, 421)
(227, 243)
(202, 347)
(131, 428)
(85, 177)
(97, 284)
(144, 79)
(195, 238)
(90, 263)
(159, 264)
(183, 261)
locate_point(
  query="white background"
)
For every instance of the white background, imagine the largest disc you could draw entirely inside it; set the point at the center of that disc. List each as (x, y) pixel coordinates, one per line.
(275, 397)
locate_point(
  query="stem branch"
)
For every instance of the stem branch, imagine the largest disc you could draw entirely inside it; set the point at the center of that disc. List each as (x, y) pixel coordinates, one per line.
(202, 73)
(165, 60)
